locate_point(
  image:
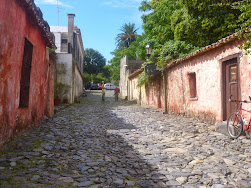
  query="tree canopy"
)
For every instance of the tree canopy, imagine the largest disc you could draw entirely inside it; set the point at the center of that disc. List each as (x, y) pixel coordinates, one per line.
(176, 28)
(95, 67)
(94, 61)
(186, 25)
(127, 36)
(245, 20)
(118, 53)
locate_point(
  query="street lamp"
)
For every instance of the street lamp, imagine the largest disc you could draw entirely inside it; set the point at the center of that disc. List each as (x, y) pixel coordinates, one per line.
(149, 50)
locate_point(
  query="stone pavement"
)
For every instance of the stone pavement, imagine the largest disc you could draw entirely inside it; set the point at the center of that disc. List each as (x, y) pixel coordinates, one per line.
(120, 144)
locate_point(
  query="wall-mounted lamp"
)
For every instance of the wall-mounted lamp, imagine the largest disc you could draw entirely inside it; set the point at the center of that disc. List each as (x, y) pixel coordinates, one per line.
(149, 50)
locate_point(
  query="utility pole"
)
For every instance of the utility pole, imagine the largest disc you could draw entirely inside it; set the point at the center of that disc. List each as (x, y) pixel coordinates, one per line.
(58, 12)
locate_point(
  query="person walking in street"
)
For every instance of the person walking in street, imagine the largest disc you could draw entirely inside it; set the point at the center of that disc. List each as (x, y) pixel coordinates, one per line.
(116, 93)
(103, 94)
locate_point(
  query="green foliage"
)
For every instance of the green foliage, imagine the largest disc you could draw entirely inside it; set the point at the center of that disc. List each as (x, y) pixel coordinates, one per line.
(173, 50)
(144, 79)
(175, 28)
(100, 77)
(132, 51)
(95, 68)
(245, 20)
(60, 90)
(157, 20)
(97, 78)
(52, 53)
(204, 21)
(95, 61)
(197, 22)
(127, 36)
(87, 78)
(114, 69)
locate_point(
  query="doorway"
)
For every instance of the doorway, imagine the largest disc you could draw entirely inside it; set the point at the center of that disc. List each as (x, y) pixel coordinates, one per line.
(231, 86)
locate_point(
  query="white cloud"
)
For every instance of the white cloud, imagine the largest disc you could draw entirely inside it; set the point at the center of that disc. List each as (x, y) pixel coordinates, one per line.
(52, 2)
(123, 3)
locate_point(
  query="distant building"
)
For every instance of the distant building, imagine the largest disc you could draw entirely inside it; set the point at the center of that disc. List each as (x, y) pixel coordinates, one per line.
(126, 68)
(26, 72)
(70, 58)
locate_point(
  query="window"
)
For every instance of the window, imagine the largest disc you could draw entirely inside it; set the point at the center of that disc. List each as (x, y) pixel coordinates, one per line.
(233, 73)
(192, 85)
(25, 75)
(64, 41)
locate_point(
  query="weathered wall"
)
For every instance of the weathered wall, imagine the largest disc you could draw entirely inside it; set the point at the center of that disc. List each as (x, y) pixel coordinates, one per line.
(126, 68)
(14, 27)
(208, 104)
(153, 92)
(79, 83)
(64, 72)
(123, 77)
(208, 69)
(70, 65)
(50, 86)
(133, 91)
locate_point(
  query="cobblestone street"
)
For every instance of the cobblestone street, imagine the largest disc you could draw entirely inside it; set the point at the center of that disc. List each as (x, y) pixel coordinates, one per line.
(120, 144)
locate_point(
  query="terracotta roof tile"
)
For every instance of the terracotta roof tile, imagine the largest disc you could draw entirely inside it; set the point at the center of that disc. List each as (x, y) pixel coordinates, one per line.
(36, 17)
(136, 73)
(217, 44)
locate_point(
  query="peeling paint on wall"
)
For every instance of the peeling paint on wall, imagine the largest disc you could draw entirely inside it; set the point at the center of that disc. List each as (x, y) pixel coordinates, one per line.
(208, 104)
(14, 28)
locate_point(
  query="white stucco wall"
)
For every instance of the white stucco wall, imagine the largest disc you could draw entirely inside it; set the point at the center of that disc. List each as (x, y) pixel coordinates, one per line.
(57, 31)
(78, 83)
(64, 72)
(58, 41)
(123, 77)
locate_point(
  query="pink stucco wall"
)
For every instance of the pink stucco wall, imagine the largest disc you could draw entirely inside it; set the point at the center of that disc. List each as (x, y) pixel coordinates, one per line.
(15, 25)
(154, 92)
(208, 68)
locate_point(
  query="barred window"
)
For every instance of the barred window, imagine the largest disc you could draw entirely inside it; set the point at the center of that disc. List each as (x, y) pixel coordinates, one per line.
(25, 74)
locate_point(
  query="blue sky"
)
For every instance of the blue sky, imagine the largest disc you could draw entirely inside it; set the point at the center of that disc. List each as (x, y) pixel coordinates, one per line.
(99, 20)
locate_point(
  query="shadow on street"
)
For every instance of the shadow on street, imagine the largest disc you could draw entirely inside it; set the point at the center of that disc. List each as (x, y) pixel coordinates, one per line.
(78, 147)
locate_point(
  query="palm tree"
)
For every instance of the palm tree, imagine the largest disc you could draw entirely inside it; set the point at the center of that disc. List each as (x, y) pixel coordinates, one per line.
(127, 36)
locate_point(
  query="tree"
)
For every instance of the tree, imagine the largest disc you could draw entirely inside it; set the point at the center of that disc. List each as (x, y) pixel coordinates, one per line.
(184, 25)
(245, 20)
(159, 25)
(95, 61)
(127, 36)
(197, 22)
(118, 53)
(203, 22)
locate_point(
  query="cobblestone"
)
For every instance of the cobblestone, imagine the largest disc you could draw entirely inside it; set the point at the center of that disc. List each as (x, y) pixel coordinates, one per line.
(120, 144)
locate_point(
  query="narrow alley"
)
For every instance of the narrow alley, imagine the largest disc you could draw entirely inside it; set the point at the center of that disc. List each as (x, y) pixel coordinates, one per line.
(120, 144)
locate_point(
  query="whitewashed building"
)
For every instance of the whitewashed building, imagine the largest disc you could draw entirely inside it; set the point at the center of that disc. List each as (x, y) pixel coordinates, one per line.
(70, 58)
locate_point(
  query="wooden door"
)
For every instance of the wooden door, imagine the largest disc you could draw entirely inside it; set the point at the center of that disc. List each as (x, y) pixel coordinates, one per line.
(230, 86)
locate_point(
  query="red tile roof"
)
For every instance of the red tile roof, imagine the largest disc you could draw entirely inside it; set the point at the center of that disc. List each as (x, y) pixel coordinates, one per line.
(36, 17)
